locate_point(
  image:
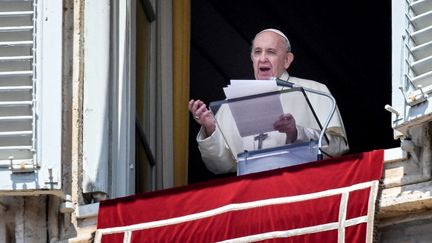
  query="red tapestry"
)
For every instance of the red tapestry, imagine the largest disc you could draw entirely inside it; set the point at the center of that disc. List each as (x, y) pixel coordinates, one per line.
(325, 201)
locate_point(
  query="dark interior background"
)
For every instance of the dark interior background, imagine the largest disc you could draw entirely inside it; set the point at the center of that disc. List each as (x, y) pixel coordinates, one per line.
(344, 44)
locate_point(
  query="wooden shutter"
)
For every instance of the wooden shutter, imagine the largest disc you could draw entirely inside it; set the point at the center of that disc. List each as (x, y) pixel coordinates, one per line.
(412, 62)
(23, 94)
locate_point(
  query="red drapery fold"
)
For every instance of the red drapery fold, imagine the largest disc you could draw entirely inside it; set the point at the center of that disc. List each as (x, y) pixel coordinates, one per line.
(323, 201)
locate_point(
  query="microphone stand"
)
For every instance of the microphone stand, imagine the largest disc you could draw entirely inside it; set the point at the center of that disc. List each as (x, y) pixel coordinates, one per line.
(284, 83)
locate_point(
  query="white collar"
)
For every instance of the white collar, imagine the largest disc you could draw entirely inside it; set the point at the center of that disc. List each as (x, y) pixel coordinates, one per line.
(285, 76)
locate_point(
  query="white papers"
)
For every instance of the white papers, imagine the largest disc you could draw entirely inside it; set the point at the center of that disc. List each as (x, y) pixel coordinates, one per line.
(240, 88)
(256, 115)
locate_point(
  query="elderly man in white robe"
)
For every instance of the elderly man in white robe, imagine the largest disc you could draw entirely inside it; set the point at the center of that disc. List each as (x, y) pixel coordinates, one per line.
(271, 57)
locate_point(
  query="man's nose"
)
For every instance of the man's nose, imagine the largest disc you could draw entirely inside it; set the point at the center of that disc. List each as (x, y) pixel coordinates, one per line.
(263, 57)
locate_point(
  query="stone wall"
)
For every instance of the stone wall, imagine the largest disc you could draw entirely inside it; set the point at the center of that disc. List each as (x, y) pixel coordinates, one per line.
(404, 212)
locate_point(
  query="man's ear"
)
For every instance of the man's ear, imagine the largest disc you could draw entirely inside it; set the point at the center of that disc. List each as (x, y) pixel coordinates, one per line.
(289, 58)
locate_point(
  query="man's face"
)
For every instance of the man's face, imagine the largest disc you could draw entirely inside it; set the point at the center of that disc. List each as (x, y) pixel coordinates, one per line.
(269, 56)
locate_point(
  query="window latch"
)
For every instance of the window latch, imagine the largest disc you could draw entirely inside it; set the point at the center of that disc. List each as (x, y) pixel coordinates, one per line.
(21, 166)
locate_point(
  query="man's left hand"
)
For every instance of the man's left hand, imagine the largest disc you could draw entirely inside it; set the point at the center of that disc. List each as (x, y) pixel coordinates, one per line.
(287, 124)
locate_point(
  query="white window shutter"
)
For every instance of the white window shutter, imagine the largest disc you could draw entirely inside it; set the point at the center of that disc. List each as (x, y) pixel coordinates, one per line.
(412, 63)
(30, 95)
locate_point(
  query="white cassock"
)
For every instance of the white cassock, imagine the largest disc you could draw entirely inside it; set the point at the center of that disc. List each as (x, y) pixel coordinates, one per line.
(219, 152)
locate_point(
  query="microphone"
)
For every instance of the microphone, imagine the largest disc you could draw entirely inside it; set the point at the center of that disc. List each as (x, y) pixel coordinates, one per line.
(284, 83)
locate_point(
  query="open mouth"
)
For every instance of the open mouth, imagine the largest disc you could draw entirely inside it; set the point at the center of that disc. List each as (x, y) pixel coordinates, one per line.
(264, 69)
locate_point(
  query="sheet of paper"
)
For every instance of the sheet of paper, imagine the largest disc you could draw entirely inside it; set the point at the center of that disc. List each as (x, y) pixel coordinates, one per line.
(241, 88)
(257, 115)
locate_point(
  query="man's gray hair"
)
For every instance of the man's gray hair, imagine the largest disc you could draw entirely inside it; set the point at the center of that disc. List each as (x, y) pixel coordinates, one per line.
(287, 42)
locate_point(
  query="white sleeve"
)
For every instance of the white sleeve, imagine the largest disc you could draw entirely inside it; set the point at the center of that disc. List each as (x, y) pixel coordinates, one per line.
(306, 134)
(337, 144)
(215, 153)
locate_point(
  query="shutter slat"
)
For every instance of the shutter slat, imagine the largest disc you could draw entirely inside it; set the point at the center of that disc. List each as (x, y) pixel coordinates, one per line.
(422, 21)
(422, 51)
(15, 118)
(16, 28)
(14, 88)
(422, 36)
(422, 66)
(15, 148)
(16, 43)
(15, 133)
(16, 13)
(16, 58)
(423, 80)
(16, 103)
(420, 7)
(24, 153)
(16, 73)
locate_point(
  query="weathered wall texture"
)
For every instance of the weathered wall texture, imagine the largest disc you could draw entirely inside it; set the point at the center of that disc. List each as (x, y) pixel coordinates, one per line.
(418, 231)
(23, 219)
(405, 213)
